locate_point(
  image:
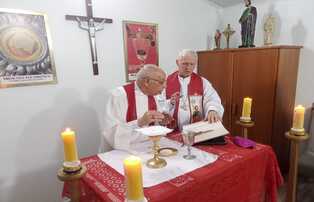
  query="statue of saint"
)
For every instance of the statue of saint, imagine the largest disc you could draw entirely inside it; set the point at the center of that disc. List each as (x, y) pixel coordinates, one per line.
(228, 32)
(248, 22)
(269, 27)
(217, 39)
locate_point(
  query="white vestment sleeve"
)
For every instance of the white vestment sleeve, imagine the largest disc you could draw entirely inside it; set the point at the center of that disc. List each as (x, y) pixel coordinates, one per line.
(164, 104)
(211, 99)
(117, 132)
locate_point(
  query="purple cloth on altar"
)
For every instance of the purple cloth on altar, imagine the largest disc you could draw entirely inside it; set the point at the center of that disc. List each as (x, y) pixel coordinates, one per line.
(243, 142)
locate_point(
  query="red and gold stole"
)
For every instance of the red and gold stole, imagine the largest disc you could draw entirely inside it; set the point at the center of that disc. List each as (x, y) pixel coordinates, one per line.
(131, 114)
(195, 88)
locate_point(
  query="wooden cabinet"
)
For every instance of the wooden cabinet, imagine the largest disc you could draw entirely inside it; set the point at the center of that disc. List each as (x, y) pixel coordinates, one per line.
(268, 75)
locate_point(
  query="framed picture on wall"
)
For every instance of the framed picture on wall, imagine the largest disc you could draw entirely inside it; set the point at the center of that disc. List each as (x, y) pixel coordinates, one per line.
(25, 49)
(140, 46)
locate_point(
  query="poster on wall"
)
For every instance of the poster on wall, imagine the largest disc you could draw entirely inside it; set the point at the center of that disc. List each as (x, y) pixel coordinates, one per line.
(140, 46)
(25, 49)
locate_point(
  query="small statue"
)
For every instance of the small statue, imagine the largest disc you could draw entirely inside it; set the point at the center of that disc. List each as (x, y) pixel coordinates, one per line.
(248, 22)
(228, 32)
(217, 39)
(269, 27)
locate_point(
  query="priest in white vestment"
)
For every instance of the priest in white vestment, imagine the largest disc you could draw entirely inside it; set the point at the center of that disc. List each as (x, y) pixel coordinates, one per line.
(134, 105)
(196, 99)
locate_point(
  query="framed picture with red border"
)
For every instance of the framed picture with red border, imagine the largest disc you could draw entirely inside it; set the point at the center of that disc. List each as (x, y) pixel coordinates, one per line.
(140, 46)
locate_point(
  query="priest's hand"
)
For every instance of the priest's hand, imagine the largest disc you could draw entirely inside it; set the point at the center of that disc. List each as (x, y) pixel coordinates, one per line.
(150, 117)
(174, 98)
(213, 117)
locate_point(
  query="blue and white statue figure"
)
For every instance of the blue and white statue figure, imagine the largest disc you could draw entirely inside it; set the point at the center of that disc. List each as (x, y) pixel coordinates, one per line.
(248, 22)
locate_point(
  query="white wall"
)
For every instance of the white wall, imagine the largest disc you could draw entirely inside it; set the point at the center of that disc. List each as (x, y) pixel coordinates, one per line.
(31, 118)
(294, 27)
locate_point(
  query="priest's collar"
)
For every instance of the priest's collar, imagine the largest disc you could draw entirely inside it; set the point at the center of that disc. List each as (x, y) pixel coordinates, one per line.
(184, 79)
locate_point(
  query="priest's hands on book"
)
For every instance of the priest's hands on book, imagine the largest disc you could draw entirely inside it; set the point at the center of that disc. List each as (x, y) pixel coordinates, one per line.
(213, 116)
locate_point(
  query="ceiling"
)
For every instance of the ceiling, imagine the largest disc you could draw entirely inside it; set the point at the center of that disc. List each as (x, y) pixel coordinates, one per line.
(226, 3)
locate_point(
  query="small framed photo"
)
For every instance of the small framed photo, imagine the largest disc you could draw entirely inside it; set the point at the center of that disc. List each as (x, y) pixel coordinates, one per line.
(140, 46)
(25, 49)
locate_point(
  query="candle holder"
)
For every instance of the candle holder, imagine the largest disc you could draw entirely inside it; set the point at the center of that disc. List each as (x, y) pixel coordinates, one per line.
(297, 131)
(293, 163)
(71, 166)
(245, 119)
(73, 179)
(245, 124)
(156, 161)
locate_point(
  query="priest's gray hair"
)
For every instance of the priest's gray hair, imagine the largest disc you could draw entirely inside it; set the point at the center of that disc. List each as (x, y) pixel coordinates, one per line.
(147, 71)
(186, 52)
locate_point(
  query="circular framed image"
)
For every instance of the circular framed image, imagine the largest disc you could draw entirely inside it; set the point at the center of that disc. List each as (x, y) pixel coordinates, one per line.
(22, 45)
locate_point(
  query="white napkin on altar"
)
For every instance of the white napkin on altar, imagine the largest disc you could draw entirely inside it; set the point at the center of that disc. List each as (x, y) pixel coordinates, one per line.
(176, 165)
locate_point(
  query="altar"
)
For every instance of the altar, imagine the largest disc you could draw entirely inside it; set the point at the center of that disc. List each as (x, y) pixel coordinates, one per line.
(239, 174)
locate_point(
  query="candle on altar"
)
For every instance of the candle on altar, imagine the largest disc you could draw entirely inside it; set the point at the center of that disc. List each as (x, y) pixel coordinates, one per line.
(246, 109)
(298, 117)
(70, 151)
(133, 178)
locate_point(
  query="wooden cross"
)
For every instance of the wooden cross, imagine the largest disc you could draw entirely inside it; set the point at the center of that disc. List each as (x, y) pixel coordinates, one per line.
(92, 25)
(228, 32)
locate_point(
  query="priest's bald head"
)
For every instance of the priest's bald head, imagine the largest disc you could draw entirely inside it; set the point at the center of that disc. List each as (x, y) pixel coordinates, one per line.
(151, 79)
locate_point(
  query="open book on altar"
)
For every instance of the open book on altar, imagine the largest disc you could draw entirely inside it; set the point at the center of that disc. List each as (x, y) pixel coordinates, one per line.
(206, 131)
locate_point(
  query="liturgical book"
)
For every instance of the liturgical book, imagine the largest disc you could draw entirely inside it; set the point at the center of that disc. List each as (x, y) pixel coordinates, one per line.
(205, 131)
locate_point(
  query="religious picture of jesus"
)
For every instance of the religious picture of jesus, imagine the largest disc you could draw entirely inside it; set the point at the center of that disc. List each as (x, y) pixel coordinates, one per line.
(196, 109)
(25, 49)
(140, 46)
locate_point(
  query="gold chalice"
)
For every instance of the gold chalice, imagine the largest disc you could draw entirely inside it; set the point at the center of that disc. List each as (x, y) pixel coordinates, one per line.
(154, 133)
(156, 161)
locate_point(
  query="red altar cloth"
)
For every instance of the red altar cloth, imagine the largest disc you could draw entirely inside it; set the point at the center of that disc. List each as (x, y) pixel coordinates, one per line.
(239, 175)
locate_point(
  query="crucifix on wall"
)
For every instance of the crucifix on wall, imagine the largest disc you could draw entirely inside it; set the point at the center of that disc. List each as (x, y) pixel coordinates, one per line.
(92, 25)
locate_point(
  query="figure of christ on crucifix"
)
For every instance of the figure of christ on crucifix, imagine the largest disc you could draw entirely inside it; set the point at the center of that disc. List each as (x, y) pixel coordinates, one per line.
(228, 32)
(92, 25)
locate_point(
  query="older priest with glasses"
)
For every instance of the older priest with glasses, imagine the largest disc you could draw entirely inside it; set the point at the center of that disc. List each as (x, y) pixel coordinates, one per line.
(132, 106)
(193, 96)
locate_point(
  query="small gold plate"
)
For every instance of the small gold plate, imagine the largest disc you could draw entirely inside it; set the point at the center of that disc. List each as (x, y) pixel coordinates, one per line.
(167, 151)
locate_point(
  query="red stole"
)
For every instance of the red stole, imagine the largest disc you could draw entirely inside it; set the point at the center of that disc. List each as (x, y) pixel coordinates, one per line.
(131, 114)
(195, 87)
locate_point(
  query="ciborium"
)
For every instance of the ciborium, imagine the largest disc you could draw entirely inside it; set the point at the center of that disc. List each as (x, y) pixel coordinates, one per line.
(156, 161)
